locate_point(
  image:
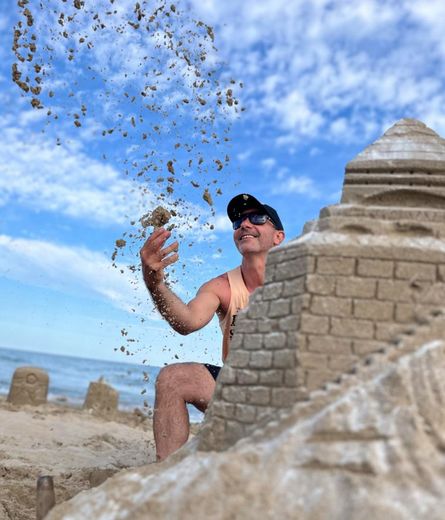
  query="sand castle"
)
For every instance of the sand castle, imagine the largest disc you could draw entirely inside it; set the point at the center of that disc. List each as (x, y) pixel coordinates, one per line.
(330, 404)
(101, 398)
(29, 385)
(368, 269)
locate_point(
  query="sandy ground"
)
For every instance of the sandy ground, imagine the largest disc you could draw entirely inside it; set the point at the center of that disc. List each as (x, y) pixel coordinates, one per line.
(78, 449)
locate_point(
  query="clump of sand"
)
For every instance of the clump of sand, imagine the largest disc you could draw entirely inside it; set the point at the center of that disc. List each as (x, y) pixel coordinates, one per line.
(156, 218)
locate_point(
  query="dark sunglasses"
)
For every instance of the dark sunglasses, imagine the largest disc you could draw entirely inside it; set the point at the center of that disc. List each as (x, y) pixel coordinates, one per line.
(257, 219)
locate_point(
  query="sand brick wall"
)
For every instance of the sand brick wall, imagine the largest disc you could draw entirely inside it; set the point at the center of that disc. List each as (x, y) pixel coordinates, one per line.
(322, 308)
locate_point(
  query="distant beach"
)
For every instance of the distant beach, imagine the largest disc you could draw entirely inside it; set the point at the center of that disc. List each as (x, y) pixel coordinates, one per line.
(78, 448)
(70, 377)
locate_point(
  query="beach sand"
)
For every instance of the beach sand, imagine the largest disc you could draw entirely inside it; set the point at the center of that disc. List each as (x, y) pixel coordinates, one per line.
(78, 449)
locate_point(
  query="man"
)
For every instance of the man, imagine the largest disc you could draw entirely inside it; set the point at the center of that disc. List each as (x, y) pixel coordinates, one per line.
(257, 228)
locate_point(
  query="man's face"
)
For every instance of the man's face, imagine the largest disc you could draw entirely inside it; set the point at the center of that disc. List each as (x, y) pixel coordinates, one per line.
(250, 238)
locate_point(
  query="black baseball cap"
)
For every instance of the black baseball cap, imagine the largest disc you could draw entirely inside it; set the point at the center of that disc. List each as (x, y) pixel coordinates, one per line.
(244, 201)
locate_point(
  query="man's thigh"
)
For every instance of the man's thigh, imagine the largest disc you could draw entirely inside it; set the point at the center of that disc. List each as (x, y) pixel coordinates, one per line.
(192, 381)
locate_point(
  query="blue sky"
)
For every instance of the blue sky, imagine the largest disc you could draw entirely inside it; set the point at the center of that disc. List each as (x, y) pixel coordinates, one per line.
(320, 81)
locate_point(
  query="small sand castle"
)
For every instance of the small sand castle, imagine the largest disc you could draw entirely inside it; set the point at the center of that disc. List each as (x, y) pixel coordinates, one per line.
(330, 404)
(101, 398)
(29, 385)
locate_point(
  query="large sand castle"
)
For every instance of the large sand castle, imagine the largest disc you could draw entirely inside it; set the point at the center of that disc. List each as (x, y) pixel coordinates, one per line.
(330, 404)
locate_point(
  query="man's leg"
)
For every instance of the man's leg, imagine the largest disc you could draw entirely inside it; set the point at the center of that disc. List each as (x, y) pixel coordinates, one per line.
(177, 385)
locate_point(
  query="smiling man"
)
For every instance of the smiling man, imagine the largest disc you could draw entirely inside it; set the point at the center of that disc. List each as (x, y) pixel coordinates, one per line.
(257, 228)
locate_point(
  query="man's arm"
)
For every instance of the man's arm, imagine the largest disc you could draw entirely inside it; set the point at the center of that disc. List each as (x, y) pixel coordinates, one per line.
(184, 318)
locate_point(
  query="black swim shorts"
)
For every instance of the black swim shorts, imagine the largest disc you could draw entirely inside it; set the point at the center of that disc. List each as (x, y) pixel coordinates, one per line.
(213, 369)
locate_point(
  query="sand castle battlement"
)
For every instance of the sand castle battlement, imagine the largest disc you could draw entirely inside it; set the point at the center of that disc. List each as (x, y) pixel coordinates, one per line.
(367, 270)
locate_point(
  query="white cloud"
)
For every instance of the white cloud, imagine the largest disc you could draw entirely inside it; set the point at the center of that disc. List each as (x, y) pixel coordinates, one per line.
(70, 270)
(65, 180)
(70, 179)
(222, 223)
(243, 156)
(40, 175)
(269, 163)
(301, 185)
(333, 69)
(304, 64)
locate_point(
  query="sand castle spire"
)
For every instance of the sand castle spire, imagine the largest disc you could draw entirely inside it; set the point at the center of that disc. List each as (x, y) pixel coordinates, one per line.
(405, 167)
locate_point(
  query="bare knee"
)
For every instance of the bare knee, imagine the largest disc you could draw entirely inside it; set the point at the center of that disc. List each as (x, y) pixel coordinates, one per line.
(170, 379)
(188, 381)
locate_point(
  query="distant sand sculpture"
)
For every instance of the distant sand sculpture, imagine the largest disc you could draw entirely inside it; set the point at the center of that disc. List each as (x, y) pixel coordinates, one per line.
(330, 404)
(29, 385)
(101, 398)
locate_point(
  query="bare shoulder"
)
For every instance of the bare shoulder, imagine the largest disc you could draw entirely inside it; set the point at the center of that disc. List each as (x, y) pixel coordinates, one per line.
(221, 287)
(217, 284)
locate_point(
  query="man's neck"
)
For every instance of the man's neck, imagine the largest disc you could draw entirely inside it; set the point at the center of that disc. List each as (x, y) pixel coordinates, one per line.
(253, 269)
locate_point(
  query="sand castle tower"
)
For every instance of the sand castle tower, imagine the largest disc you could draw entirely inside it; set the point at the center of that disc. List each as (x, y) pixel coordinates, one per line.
(368, 269)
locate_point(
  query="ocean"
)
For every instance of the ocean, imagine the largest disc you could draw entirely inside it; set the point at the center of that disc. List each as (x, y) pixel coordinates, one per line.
(69, 378)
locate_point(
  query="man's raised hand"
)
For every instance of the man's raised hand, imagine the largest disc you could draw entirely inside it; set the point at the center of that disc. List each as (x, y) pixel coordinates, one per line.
(155, 257)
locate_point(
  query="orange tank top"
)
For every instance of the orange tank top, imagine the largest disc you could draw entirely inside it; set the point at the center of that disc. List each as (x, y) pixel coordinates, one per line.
(239, 298)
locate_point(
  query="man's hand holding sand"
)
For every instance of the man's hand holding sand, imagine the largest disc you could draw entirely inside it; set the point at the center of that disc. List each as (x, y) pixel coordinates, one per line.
(155, 257)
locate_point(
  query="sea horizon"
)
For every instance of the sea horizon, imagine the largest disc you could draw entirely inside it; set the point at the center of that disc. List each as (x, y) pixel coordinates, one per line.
(126, 359)
(70, 376)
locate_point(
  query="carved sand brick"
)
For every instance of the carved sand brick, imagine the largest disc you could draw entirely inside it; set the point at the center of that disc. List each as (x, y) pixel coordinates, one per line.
(314, 324)
(356, 287)
(398, 291)
(375, 268)
(331, 306)
(245, 414)
(317, 284)
(341, 363)
(327, 344)
(363, 347)
(272, 377)
(374, 310)
(261, 359)
(283, 397)
(352, 328)
(294, 287)
(258, 395)
(313, 360)
(247, 377)
(415, 270)
(315, 378)
(275, 340)
(279, 308)
(335, 265)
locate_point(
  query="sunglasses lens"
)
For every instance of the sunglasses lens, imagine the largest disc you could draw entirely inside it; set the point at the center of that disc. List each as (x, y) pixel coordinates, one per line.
(256, 219)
